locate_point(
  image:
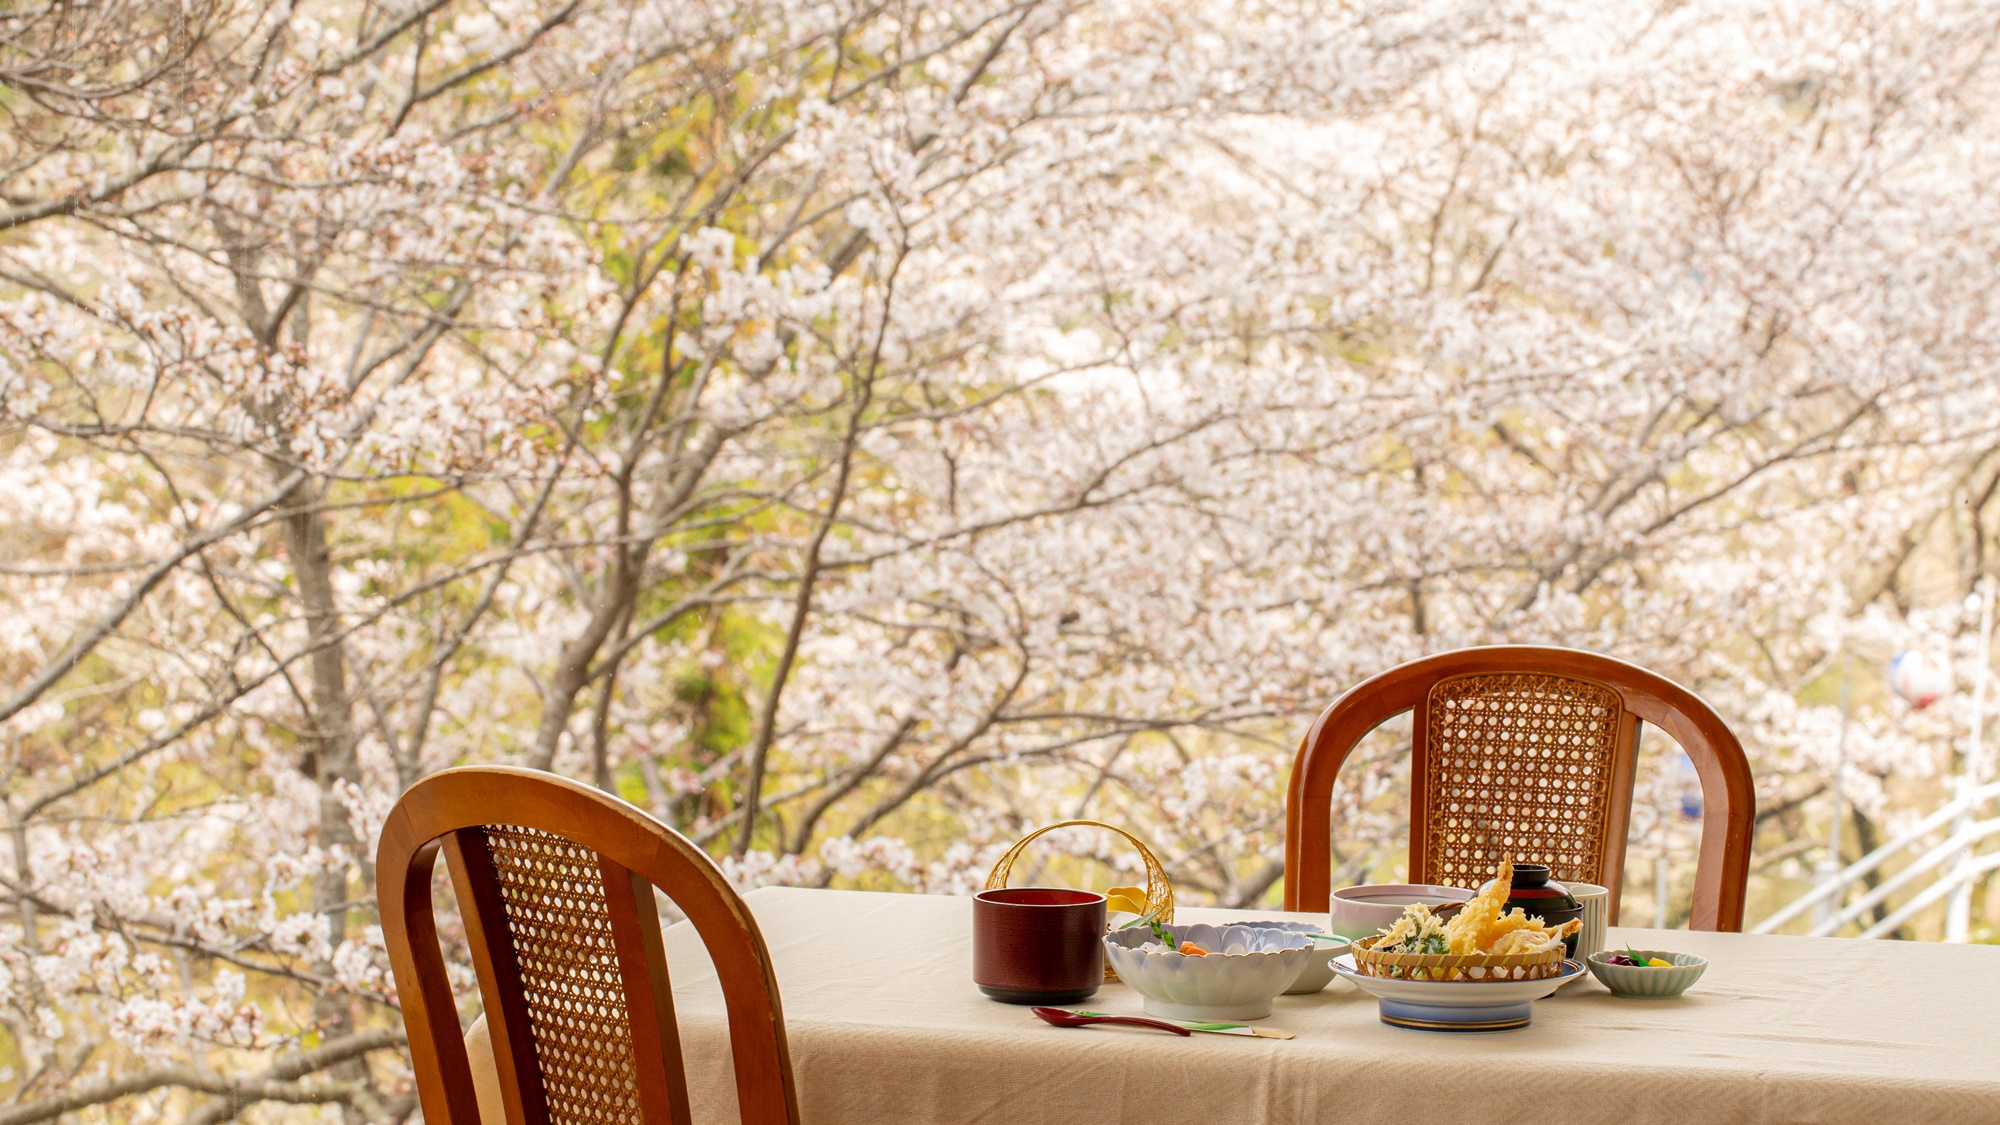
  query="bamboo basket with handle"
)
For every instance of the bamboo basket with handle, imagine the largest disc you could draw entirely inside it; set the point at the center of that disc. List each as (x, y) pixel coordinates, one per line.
(1159, 889)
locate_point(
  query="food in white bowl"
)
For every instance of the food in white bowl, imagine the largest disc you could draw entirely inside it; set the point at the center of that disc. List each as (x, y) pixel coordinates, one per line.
(1646, 972)
(1476, 941)
(1229, 972)
(1435, 1005)
(1318, 972)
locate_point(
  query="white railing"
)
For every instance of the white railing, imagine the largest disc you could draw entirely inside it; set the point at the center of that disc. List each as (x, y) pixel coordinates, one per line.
(1959, 841)
(1960, 847)
(1834, 889)
(1963, 878)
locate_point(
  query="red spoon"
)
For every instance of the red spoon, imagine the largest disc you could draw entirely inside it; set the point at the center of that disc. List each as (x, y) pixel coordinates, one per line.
(1070, 1019)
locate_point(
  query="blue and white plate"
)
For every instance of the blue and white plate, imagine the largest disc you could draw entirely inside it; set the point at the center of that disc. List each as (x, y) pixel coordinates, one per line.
(1456, 1005)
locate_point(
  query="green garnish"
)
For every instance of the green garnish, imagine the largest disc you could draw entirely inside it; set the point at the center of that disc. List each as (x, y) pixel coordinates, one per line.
(1160, 934)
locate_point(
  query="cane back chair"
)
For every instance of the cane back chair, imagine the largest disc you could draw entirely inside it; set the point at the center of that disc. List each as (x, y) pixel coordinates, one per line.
(555, 884)
(1525, 752)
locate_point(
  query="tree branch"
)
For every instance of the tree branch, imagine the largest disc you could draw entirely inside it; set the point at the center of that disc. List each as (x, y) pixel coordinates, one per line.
(279, 1083)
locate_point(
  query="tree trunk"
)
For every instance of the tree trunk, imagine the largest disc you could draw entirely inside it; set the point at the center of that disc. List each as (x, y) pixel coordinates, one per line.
(333, 764)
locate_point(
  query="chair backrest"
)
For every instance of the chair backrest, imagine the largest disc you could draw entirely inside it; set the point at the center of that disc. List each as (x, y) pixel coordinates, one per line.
(1525, 752)
(555, 884)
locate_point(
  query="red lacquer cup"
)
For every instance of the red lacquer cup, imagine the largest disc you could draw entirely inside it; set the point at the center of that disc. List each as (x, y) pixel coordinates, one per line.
(1038, 945)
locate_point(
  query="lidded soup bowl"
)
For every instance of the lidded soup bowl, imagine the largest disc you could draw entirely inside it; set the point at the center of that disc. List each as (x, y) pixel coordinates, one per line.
(1532, 892)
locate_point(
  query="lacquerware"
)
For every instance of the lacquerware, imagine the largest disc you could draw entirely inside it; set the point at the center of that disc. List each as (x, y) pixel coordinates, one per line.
(1158, 893)
(1061, 1018)
(1038, 945)
(1532, 893)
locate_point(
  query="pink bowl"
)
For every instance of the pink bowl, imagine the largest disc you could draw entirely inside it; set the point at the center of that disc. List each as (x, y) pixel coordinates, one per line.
(1361, 911)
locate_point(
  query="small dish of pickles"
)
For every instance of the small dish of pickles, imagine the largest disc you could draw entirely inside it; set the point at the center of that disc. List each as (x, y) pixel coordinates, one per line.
(1655, 973)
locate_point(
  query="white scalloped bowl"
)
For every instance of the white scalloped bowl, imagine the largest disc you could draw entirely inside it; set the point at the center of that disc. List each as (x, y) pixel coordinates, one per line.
(1247, 967)
(1318, 972)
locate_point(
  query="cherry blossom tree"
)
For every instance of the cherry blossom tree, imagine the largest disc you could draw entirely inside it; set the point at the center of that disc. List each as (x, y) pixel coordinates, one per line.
(860, 433)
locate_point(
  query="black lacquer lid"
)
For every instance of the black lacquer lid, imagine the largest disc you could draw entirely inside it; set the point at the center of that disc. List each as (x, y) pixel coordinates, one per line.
(1529, 875)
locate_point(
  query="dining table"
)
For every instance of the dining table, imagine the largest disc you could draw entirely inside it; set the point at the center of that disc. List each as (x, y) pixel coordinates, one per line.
(886, 1027)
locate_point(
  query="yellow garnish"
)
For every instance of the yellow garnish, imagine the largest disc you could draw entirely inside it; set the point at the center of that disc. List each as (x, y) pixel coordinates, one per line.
(1132, 900)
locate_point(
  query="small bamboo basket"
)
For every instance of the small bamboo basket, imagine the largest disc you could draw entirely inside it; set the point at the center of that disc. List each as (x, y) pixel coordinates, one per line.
(1468, 967)
(1159, 890)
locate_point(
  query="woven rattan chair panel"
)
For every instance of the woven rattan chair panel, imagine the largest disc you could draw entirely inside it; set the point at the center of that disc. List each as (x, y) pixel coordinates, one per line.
(1520, 766)
(556, 913)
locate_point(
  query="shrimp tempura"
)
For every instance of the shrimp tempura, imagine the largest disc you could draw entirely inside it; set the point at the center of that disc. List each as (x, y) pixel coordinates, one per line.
(1534, 940)
(1511, 922)
(1465, 928)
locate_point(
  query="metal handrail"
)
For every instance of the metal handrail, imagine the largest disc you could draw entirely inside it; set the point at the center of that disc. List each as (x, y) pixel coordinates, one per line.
(1933, 893)
(1838, 884)
(1962, 838)
(1959, 841)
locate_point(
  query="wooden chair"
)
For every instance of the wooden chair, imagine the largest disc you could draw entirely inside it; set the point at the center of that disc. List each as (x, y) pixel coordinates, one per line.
(1526, 752)
(555, 883)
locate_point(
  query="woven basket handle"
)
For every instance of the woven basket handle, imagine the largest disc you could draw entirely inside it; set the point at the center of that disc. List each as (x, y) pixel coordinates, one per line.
(1159, 891)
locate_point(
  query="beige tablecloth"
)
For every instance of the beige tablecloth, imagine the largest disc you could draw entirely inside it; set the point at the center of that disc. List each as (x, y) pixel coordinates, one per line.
(886, 1027)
